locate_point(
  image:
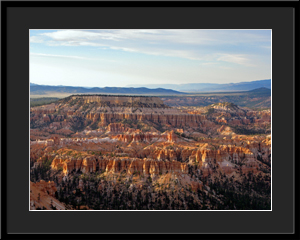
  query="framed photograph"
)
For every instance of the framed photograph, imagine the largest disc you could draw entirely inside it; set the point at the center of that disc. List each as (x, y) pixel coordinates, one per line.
(149, 118)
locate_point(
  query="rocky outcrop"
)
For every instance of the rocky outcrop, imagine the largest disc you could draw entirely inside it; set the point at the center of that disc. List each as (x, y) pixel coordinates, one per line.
(42, 196)
(131, 166)
(46, 187)
(136, 101)
(153, 161)
(137, 145)
(116, 128)
(137, 136)
(143, 166)
(84, 164)
(112, 109)
(175, 120)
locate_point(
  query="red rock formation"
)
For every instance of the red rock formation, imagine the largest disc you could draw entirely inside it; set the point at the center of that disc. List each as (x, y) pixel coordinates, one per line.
(116, 128)
(42, 194)
(116, 147)
(46, 187)
(145, 166)
(173, 119)
(117, 165)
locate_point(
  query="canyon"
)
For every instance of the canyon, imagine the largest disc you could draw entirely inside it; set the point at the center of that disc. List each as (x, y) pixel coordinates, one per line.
(101, 152)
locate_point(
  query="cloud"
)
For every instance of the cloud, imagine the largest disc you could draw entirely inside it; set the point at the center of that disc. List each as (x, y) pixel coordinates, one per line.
(148, 55)
(95, 37)
(226, 68)
(160, 52)
(188, 44)
(235, 58)
(68, 56)
(60, 56)
(79, 37)
(208, 63)
(36, 39)
(267, 47)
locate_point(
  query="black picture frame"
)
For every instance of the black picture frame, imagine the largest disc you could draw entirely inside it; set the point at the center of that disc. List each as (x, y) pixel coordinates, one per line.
(17, 17)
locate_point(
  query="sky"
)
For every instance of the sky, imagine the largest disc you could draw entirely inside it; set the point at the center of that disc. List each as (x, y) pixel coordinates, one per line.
(118, 58)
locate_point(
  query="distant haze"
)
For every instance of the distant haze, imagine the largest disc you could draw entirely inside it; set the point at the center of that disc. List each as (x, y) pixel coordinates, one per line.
(163, 58)
(194, 87)
(157, 88)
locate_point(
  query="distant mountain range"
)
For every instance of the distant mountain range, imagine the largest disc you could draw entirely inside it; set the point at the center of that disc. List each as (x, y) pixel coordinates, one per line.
(167, 89)
(36, 89)
(262, 90)
(206, 87)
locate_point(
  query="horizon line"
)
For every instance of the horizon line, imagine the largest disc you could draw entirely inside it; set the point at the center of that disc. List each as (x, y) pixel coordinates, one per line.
(128, 86)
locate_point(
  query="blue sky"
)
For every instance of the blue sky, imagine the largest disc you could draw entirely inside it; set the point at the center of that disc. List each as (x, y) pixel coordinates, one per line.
(117, 58)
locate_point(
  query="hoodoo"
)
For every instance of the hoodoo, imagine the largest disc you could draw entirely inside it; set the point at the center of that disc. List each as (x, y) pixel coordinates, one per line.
(135, 152)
